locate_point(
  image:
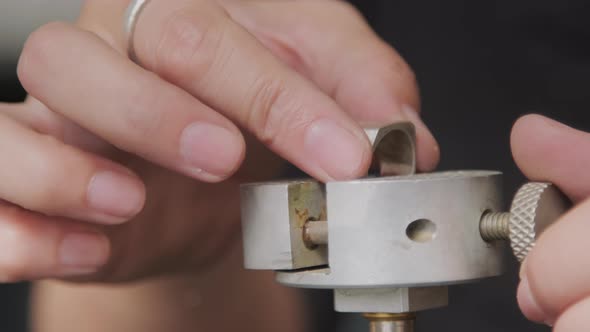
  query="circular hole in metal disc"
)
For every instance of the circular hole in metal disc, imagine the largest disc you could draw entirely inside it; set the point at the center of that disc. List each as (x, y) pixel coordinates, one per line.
(421, 230)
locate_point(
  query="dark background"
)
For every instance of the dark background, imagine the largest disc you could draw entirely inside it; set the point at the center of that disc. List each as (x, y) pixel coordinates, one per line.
(13, 298)
(480, 65)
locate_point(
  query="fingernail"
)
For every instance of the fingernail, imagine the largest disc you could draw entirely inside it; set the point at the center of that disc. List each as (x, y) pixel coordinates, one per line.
(529, 306)
(211, 149)
(83, 253)
(338, 152)
(115, 194)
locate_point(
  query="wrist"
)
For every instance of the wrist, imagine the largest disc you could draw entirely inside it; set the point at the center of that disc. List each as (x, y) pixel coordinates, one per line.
(223, 298)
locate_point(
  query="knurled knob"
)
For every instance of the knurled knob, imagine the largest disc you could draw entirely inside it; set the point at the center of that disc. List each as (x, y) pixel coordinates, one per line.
(535, 206)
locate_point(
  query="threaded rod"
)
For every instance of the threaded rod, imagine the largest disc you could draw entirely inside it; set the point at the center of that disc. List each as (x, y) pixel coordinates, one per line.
(315, 233)
(495, 226)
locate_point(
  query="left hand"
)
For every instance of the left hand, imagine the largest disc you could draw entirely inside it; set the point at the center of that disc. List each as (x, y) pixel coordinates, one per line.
(87, 94)
(555, 277)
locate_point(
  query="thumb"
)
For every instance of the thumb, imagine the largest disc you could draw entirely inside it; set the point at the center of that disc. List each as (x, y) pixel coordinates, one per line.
(546, 150)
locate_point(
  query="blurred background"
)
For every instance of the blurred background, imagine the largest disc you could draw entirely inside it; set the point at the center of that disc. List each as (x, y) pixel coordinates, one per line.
(480, 66)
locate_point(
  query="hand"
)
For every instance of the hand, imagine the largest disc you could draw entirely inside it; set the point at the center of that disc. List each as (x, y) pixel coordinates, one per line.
(108, 159)
(555, 277)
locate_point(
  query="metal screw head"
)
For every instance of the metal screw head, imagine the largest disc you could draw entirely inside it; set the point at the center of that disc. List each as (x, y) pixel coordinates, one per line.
(535, 206)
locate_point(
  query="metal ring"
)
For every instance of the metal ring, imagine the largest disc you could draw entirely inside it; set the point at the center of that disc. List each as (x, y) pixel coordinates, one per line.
(131, 17)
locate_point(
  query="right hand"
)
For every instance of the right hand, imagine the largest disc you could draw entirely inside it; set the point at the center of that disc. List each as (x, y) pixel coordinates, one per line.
(555, 276)
(99, 131)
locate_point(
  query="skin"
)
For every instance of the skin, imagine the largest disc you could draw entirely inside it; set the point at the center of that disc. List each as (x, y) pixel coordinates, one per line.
(149, 212)
(127, 194)
(167, 140)
(554, 285)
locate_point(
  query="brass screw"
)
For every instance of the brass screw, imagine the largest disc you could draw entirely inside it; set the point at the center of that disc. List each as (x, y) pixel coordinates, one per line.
(388, 322)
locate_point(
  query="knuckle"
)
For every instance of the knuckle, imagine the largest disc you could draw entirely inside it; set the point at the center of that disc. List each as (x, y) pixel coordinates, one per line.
(188, 44)
(267, 102)
(145, 115)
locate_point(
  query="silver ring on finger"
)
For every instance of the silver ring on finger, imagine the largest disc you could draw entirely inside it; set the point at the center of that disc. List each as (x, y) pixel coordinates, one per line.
(132, 14)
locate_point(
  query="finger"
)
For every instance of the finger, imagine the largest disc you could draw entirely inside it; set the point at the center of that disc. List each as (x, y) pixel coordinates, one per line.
(556, 272)
(575, 318)
(195, 45)
(42, 174)
(16, 111)
(546, 150)
(126, 105)
(331, 43)
(32, 114)
(36, 246)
